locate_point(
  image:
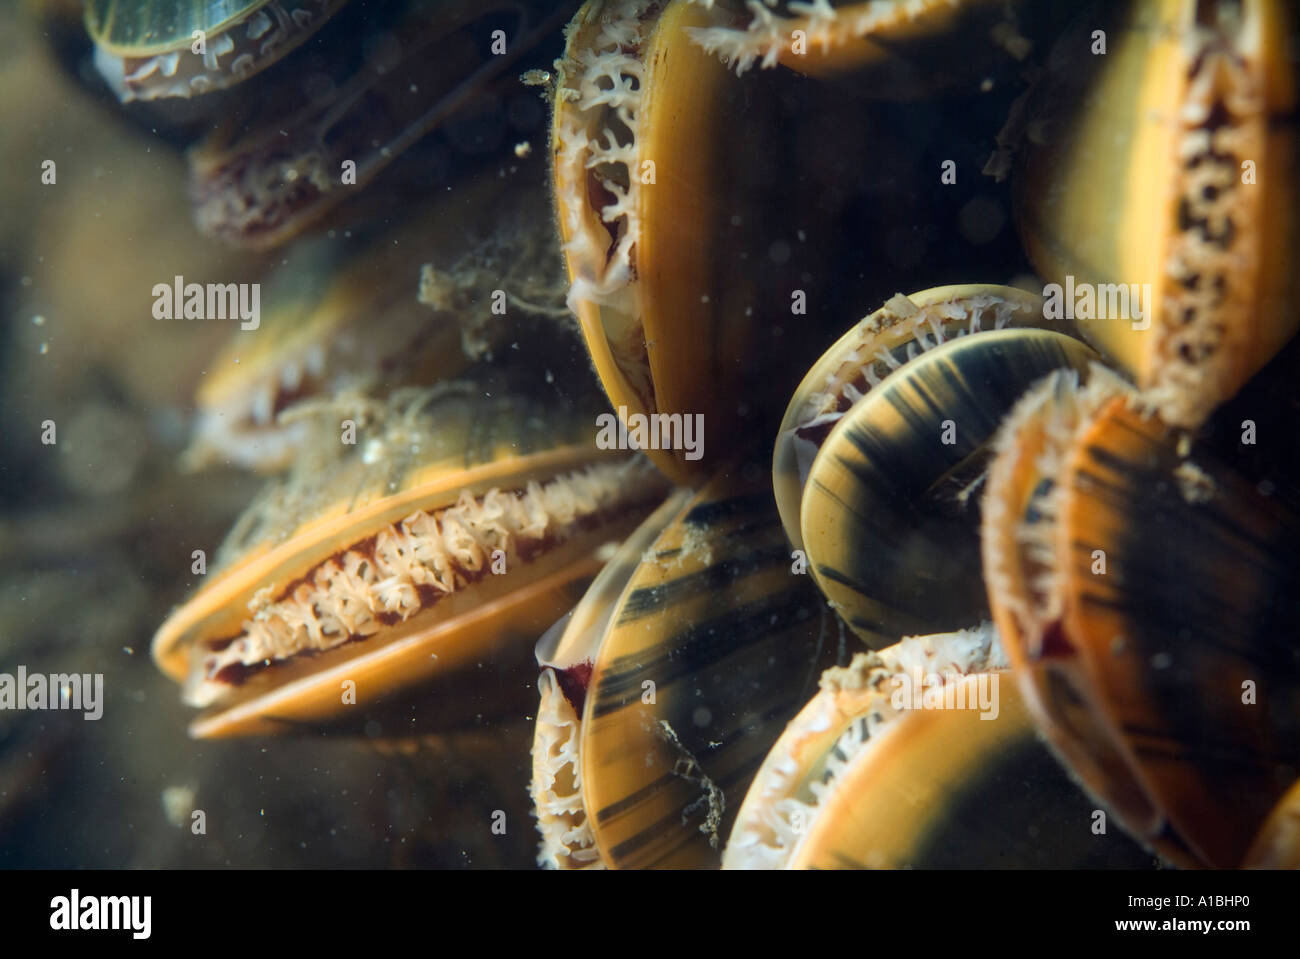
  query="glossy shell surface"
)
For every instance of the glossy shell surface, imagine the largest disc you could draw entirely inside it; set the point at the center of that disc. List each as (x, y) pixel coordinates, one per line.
(677, 673)
(377, 564)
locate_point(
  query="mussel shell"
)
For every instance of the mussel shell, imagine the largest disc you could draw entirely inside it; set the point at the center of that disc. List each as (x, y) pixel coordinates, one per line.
(903, 327)
(921, 755)
(567, 653)
(1167, 166)
(393, 306)
(674, 181)
(449, 455)
(1018, 545)
(948, 789)
(854, 706)
(678, 678)
(887, 516)
(1156, 598)
(1203, 598)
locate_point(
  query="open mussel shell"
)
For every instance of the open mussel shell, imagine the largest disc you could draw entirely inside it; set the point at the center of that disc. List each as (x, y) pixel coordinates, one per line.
(1156, 191)
(854, 702)
(393, 306)
(146, 49)
(1144, 585)
(921, 755)
(433, 548)
(669, 226)
(944, 788)
(898, 332)
(888, 515)
(663, 691)
(1018, 551)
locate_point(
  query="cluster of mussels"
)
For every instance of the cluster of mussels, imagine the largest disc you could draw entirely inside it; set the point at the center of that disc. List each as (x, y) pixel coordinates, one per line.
(1062, 513)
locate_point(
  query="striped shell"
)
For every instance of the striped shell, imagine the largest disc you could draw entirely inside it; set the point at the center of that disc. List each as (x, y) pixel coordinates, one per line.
(886, 516)
(664, 690)
(1144, 586)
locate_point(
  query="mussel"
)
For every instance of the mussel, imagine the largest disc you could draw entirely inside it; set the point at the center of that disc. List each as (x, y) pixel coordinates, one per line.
(669, 682)
(415, 541)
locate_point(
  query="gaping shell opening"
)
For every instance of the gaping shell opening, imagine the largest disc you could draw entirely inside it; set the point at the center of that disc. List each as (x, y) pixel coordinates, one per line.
(344, 316)
(423, 537)
(567, 839)
(405, 569)
(1215, 258)
(900, 331)
(1023, 498)
(1023, 557)
(1157, 191)
(856, 706)
(597, 146)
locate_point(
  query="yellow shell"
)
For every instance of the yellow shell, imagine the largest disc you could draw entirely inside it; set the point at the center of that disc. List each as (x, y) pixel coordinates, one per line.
(909, 801)
(854, 702)
(667, 686)
(449, 534)
(1139, 582)
(667, 230)
(1165, 170)
(640, 270)
(919, 756)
